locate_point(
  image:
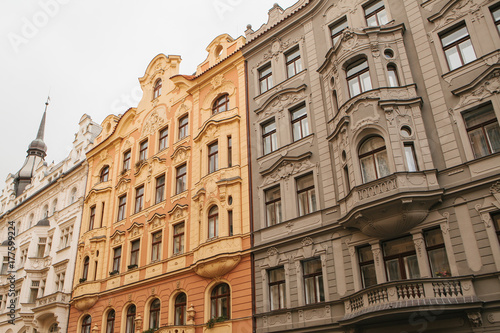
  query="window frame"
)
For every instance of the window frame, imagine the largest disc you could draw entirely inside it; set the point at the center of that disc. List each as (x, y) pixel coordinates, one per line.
(482, 126)
(335, 37)
(215, 296)
(317, 278)
(178, 238)
(143, 150)
(127, 155)
(139, 199)
(358, 76)
(180, 320)
(375, 13)
(135, 247)
(277, 283)
(92, 217)
(117, 257)
(401, 259)
(132, 315)
(365, 263)
(303, 121)
(456, 45)
(440, 246)
(154, 314)
(104, 175)
(495, 218)
(86, 324)
(163, 139)
(157, 88)
(307, 190)
(213, 157)
(110, 321)
(156, 244)
(213, 222)
(272, 135)
(273, 202)
(267, 78)
(493, 9)
(373, 154)
(181, 177)
(183, 127)
(229, 151)
(122, 207)
(160, 189)
(85, 268)
(295, 63)
(222, 102)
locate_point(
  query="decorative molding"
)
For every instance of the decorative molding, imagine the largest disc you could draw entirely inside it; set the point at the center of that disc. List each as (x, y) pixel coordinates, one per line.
(483, 89)
(285, 170)
(181, 154)
(178, 212)
(152, 123)
(117, 238)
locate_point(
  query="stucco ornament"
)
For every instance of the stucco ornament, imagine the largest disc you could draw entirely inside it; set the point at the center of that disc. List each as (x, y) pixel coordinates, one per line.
(217, 81)
(495, 190)
(455, 11)
(152, 123)
(286, 170)
(489, 86)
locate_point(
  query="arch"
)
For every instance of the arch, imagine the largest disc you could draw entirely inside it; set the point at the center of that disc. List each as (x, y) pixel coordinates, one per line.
(154, 313)
(220, 104)
(85, 323)
(373, 159)
(213, 221)
(104, 174)
(129, 315)
(54, 328)
(109, 323)
(157, 88)
(180, 303)
(220, 301)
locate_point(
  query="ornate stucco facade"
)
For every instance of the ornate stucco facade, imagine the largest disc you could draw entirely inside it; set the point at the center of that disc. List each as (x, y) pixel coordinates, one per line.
(375, 166)
(46, 214)
(166, 234)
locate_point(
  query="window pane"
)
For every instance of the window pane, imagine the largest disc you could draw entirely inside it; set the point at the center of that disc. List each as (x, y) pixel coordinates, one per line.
(467, 51)
(373, 7)
(454, 36)
(393, 272)
(439, 262)
(493, 133)
(411, 164)
(366, 83)
(453, 58)
(382, 167)
(478, 143)
(382, 17)
(411, 267)
(368, 169)
(368, 275)
(398, 246)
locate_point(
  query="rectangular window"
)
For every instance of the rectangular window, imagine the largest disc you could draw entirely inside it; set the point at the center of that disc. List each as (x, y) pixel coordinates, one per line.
(358, 78)
(41, 247)
(60, 281)
(42, 288)
(375, 14)
(34, 291)
(400, 259)
(143, 151)
(160, 189)
(230, 221)
(139, 198)
(483, 130)
(156, 246)
(179, 238)
(269, 137)
(457, 47)
(367, 266)
(5, 266)
(122, 204)
(411, 158)
(392, 75)
(66, 236)
(265, 78)
(180, 179)
(102, 214)
(336, 30)
(313, 281)
(277, 288)
(346, 179)
(496, 17)
(213, 157)
(293, 62)
(134, 253)
(306, 194)
(273, 206)
(117, 256)
(126, 160)
(163, 139)
(183, 127)
(92, 218)
(300, 124)
(436, 253)
(496, 222)
(229, 152)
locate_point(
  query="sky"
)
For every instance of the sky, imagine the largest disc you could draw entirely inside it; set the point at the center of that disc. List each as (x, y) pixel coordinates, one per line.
(88, 55)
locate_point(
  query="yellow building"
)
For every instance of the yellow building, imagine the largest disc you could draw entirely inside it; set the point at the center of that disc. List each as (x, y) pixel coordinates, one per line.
(165, 235)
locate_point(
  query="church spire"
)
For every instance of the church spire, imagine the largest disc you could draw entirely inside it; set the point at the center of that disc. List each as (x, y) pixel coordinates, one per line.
(41, 129)
(37, 146)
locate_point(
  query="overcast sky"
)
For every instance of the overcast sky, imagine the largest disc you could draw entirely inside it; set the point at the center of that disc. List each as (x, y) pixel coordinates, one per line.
(89, 55)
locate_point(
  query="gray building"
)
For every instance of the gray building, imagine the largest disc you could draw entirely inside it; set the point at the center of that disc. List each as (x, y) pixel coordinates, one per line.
(375, 153)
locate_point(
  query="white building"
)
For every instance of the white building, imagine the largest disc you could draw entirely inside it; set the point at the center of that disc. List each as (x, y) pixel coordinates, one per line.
(44, 203)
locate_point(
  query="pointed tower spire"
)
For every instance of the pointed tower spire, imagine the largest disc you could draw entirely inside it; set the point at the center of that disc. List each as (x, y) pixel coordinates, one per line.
(41, 129)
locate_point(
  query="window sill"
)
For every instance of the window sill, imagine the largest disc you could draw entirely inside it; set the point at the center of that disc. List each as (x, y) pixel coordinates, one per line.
(467, 68)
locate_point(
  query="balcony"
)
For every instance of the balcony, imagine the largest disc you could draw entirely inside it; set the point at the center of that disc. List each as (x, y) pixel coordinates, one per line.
(390, 206)
(217, 257)
(53, 300)
(391, 298)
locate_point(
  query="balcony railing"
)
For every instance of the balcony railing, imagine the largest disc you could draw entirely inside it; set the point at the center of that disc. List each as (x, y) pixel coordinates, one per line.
(409, 293)
(52, 299)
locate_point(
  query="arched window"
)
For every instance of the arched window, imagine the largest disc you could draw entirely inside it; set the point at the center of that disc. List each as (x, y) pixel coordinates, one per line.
(86, 322)
(180, 310)
(72, 197)
(213, 222)
(358, 77)
(105, 174)
(373, 159)
(53, 328)
(154, 314)
(110, 321)
(392, 75)
(219, 301)
(221, 104)
(85, 272)
(130, 324)
(157, 89)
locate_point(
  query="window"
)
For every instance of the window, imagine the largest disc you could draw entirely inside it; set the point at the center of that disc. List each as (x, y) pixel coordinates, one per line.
(154, 314)
(122, 203)
(313, 281)
(157, 89)
(54, 207)
(183, 127)
(139, 198)
(24, 256)
(5, 266)
(411, 158)
(73, 196)
(92, 218)
(400, 259)
(213, 157)
(110, 321)
(86, 323)
(53, 328)
(273, 206)
(373, 159)
(85, 271)
(269, 137)
(436, 253)
(375, 14)
(346, 178)
(130, 323)
(41, 247)
(219, 300)
(358, 77)
(458, 47)
(221, 104)
(483, 130)
(277, 287)
(134, 253)
(179, 238)
(42, 288)
(180, 179)
(265, 78)
(105, 174)
(300, 124)
(156, 246)
(392, 76)
(180, 310)
(160, 189)
(60, 281)
(126, 160)
(213, 222)
(117, 256)
(230, 221)
(496, 222)
(66, 236)
(163, 139)
(367, 266)
(293, 62)
(336, 30)
(143, 151)
(34, 291)
(229, 152)
(306, 194)
(102, 214)
(496, 17)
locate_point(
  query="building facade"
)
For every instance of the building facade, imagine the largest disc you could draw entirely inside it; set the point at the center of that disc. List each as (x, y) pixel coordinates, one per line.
(375, 166)
(165, 242)
(41, 209)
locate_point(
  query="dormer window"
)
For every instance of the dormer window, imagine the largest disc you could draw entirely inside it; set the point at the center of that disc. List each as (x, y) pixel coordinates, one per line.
(221, 104)
(157, 89)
